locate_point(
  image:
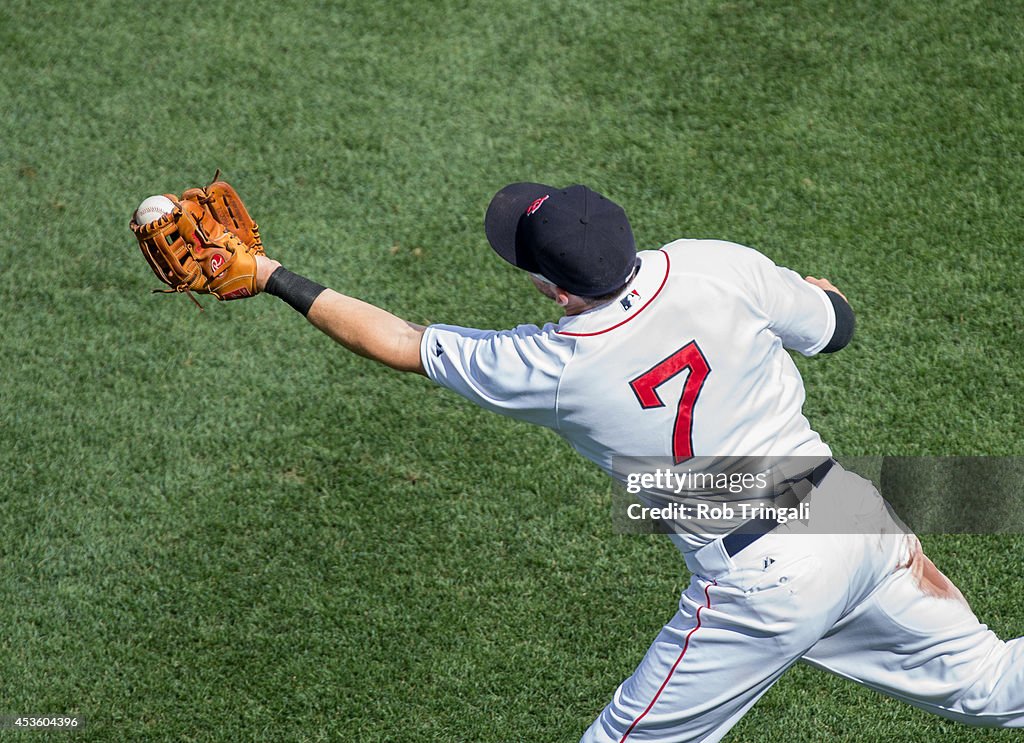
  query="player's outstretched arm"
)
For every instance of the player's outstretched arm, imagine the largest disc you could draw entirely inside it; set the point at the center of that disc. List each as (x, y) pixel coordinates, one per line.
(359, 326)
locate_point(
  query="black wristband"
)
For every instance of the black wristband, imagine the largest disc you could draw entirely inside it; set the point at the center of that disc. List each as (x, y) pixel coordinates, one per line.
(297, 291)
(845, 323)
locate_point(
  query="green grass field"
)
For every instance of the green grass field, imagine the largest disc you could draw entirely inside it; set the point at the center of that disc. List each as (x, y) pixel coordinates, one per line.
(221, 526)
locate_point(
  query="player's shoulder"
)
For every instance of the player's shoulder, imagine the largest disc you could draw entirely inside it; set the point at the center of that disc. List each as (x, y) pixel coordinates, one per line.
(528, 332)
(714, 258)
(698, 251)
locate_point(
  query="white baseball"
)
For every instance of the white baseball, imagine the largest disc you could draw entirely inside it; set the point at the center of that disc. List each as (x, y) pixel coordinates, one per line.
(152, 209)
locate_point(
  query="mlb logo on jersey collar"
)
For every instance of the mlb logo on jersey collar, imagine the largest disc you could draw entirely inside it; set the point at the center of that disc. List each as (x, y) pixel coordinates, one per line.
(653, 268)
(629, 300)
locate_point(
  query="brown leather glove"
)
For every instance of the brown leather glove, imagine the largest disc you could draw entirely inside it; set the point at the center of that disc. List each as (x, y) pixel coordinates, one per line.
(206, 244)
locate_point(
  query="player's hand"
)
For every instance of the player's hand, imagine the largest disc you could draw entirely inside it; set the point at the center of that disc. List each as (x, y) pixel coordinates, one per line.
(264, 267)
(820, 283)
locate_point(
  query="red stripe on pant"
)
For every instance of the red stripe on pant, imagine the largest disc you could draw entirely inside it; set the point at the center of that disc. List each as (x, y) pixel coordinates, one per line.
(686, 644)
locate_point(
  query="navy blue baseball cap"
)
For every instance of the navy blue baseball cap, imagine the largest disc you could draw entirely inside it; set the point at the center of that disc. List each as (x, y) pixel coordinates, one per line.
(572, 236)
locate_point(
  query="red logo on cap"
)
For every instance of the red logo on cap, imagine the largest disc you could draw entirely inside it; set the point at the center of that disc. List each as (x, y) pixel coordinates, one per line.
(536, 205)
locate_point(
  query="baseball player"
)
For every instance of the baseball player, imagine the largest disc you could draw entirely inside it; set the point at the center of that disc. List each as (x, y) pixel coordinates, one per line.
(681, 353)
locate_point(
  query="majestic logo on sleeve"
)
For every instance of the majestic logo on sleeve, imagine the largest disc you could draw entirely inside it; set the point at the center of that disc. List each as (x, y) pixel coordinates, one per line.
(536, 205)
(627, 301)
(438, 348)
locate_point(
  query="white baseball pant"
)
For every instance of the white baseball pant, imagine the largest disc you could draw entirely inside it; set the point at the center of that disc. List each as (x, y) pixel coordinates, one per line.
(869, 607)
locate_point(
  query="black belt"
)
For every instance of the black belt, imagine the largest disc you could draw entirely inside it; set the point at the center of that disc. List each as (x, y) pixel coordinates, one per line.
(753, 530)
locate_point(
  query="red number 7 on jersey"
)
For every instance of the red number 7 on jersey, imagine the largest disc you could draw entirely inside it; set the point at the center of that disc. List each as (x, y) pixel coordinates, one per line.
(645, 387)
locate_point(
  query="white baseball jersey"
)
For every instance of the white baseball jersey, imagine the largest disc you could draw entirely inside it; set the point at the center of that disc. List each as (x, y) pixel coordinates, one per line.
(690, 360)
